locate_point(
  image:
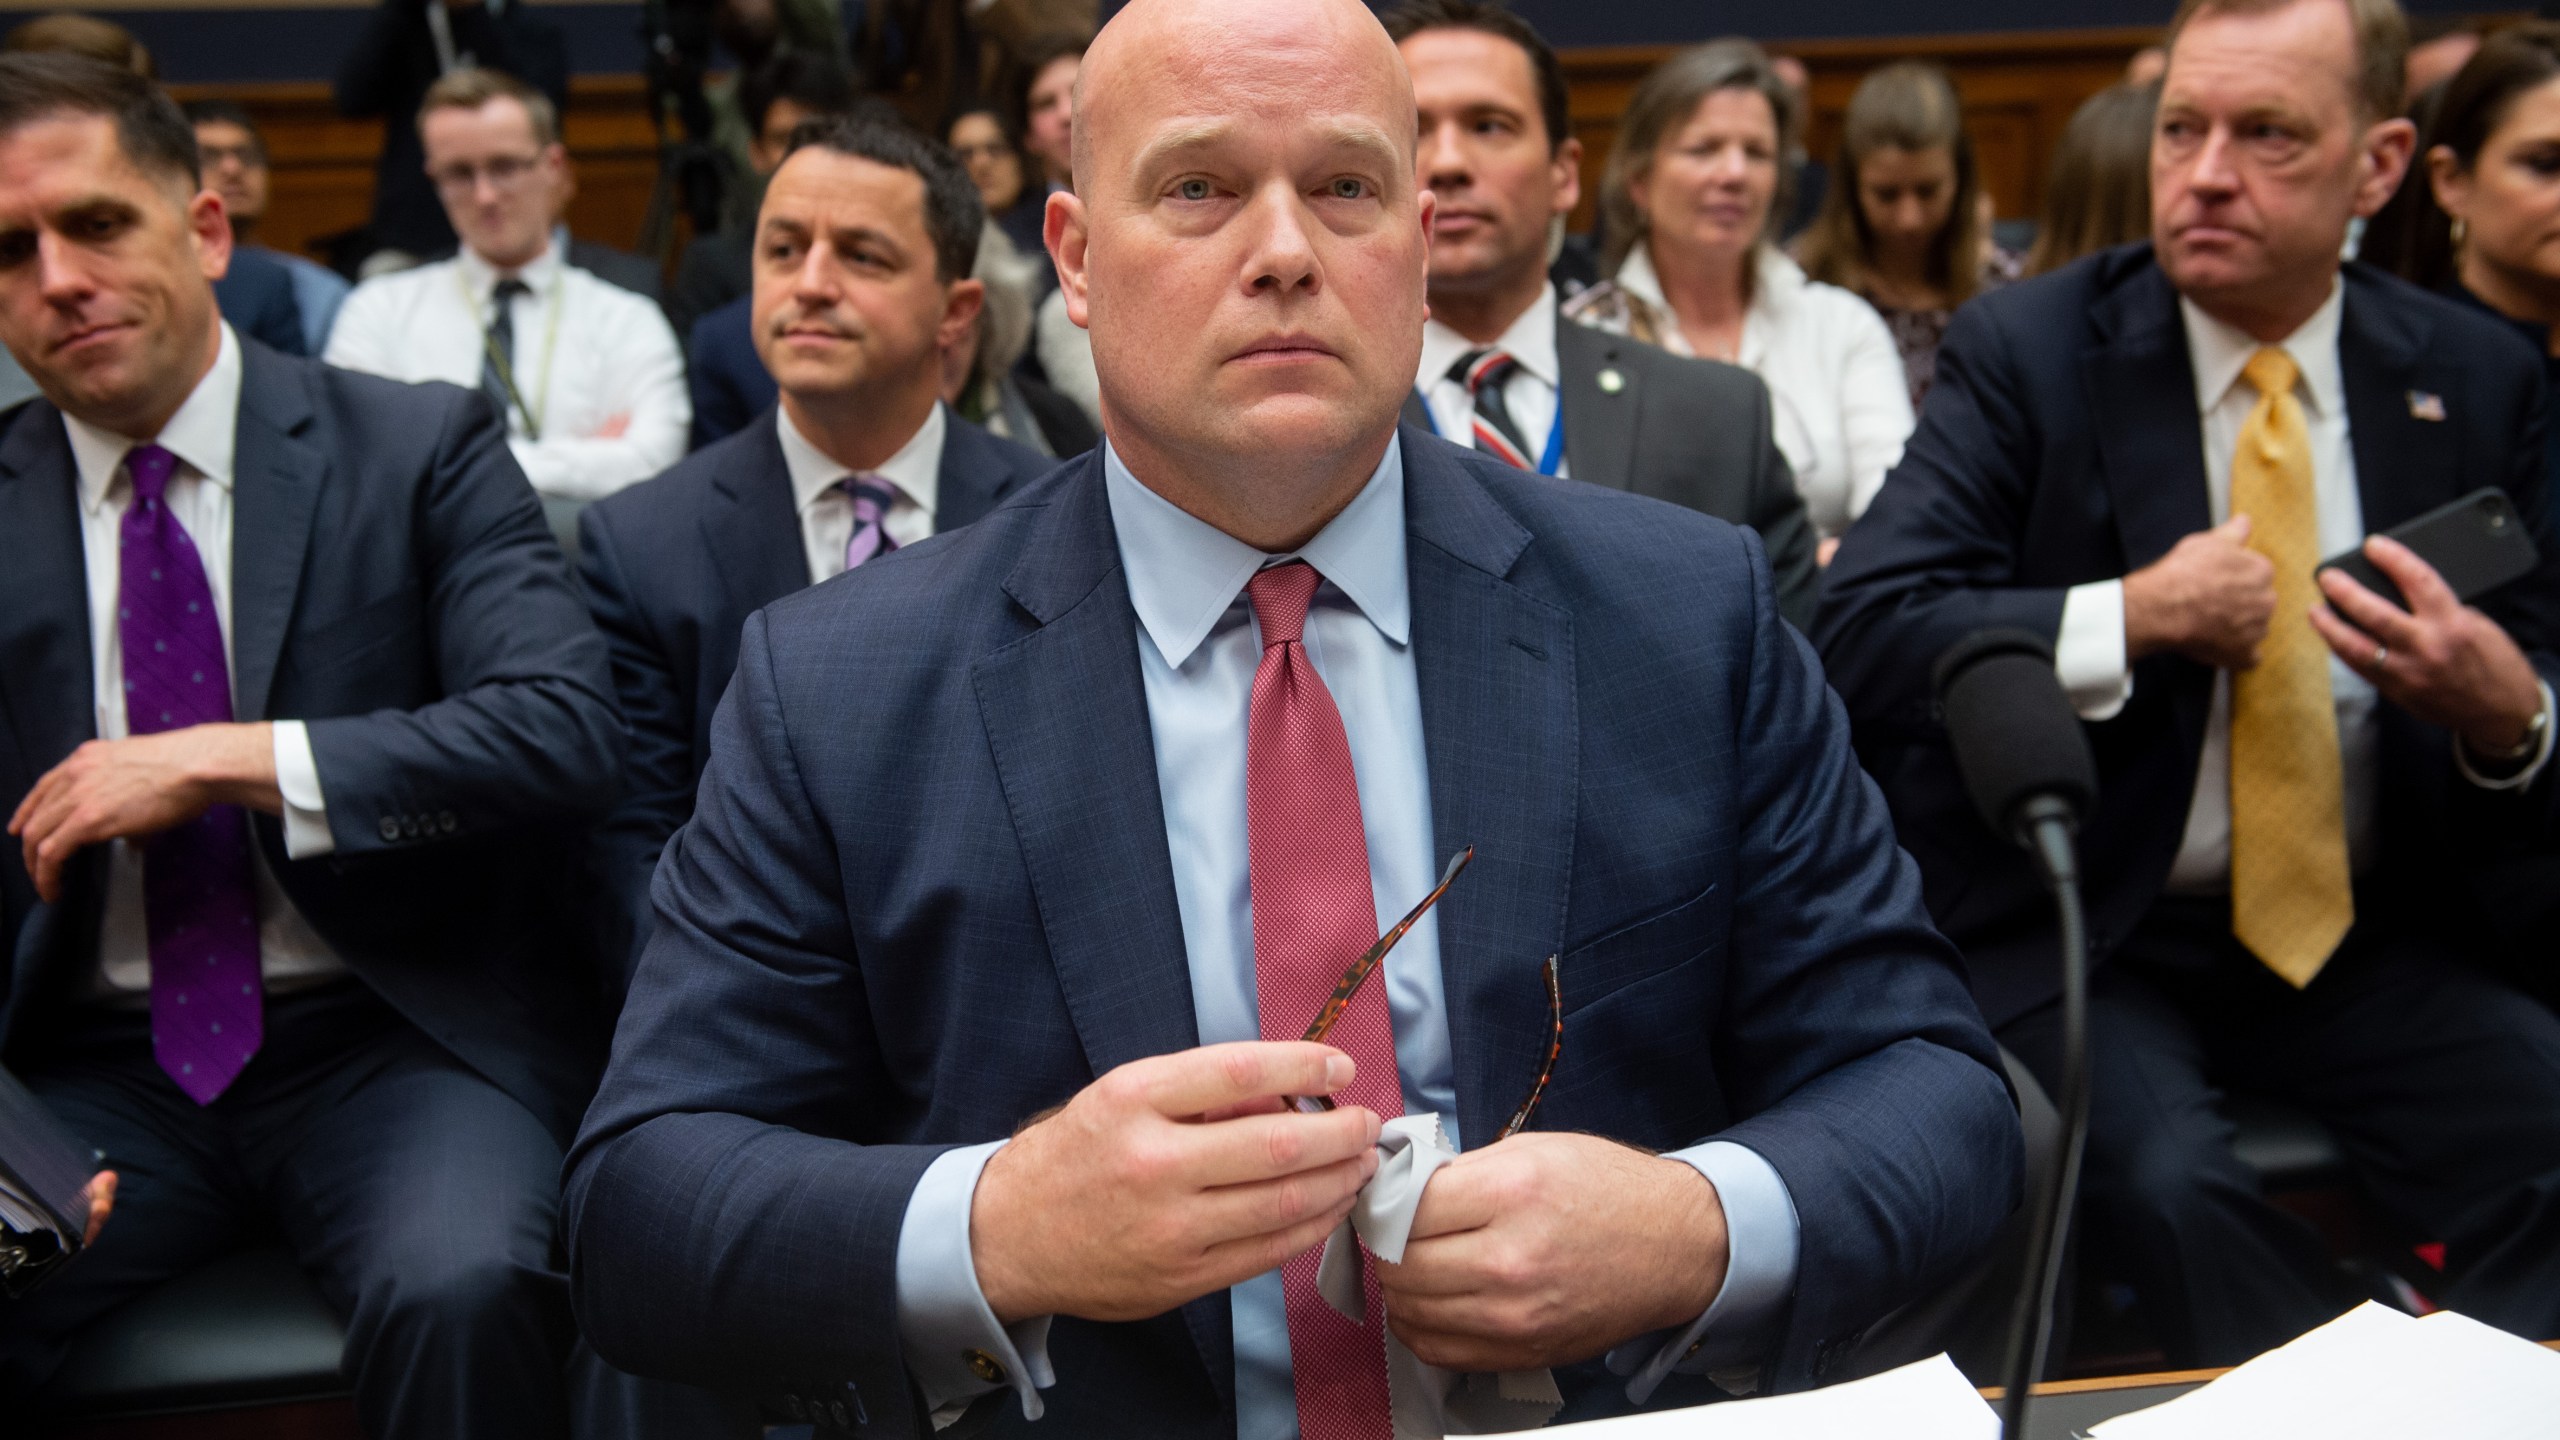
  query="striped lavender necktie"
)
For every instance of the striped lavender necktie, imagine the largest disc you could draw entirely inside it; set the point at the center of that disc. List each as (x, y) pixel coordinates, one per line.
(199, 904)
(872, 497)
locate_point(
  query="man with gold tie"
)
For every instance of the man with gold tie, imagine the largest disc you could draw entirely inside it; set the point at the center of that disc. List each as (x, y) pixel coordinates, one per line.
(2146, 456)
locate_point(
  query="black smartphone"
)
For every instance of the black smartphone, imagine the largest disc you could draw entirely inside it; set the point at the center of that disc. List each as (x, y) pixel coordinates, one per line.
(2477, 543)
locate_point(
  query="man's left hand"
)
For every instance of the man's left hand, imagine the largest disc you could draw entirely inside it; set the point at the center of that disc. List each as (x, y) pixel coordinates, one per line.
(141, 785)
(1548, 1249)
(2440, 659)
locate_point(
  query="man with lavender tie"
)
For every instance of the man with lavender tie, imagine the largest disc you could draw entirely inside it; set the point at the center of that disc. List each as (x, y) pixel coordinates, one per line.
(953, 1085)
(297, 707)
(865, 243)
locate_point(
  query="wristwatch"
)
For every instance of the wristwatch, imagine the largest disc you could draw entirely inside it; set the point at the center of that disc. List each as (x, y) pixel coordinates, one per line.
(2532, 741)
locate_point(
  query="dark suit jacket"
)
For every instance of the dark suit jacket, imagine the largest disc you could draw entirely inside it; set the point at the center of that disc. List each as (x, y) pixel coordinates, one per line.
(672, 568)
(1693, 432)
(928, 894)
(2061, 445)
(394, 586)
(256, 296)
(730, 385)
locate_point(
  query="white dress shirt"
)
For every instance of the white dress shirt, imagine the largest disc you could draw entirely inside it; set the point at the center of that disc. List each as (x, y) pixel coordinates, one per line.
(2089, 654)
(201, 434)
(587, 353)
(826, 511)
(1529, 393)
(1198, 650)
(1839, 403)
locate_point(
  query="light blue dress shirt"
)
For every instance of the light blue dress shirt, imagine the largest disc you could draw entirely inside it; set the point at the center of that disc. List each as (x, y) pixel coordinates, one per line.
(1198, 649)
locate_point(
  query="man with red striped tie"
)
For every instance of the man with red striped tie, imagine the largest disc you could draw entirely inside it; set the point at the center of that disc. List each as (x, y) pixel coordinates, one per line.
(956, 1081)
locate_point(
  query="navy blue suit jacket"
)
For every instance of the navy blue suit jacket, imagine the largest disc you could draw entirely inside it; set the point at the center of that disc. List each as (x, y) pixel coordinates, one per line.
(394, 586)
(672, 568)
(927, 894)
(727, 377)
(2061, 445)
(256, 296)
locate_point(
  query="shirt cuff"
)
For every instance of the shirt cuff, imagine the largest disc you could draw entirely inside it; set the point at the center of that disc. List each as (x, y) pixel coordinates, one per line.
(1762, 1236)
(944, 1324)
(2089, 653)
(306, 812)
(2533, 768)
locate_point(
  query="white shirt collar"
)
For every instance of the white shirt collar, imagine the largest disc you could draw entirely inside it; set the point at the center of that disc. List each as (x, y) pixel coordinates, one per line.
(1531, 340)
(1184, 572)
(202, 434)
(2219, 352)
(916, 470)
(480, 277)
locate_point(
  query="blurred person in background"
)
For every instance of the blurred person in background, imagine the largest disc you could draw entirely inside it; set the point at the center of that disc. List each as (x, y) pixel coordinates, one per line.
(66, 33)
(404, 47)
(985, 144)
(1048, 109)
(2441, 45)
(1904, 225)
(586, 374)
(1812, 177)
(980, 379)
(756, 33)
(1691, 195)
(234, 156)
(2099, 192)
(772, 100)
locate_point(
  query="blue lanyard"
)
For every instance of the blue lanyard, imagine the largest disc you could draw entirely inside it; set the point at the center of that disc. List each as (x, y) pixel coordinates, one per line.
(1548, 463)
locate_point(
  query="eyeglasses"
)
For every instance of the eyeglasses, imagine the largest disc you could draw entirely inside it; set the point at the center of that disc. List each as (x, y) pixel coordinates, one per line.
(504, 173)
(1360, 969)
(991, 150)
(248, 157)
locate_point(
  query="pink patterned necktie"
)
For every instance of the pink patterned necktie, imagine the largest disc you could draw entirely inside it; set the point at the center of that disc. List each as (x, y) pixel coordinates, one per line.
(1313, 913)
(200, 906)
(872, 497)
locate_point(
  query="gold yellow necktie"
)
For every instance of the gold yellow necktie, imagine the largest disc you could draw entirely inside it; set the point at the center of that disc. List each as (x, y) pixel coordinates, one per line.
(2291, 896)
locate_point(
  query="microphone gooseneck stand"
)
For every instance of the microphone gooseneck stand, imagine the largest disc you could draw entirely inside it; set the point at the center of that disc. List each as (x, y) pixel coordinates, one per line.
(2047, 825)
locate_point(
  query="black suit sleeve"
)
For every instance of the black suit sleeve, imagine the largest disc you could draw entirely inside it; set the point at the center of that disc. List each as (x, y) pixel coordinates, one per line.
(525, 731)
(657, 790)
(1935, 557)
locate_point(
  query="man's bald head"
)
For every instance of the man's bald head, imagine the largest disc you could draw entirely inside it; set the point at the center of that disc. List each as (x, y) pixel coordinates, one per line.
(1246, 244)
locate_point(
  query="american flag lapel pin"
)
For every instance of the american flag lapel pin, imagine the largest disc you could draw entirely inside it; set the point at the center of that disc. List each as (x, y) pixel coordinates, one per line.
(2425, 405)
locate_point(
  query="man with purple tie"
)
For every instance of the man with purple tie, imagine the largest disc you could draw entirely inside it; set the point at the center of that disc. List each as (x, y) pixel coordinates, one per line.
(297, 707)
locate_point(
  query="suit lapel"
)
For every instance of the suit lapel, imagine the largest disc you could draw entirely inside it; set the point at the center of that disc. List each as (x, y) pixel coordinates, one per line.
(2377, 357)
(2142, 391)
(1499, 718)
(276, 478)
(973, 475)
(1065, 713)
(1600, 426)
(755, 537)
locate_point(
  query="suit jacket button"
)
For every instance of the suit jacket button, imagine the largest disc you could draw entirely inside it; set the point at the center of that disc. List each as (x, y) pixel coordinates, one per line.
(835, 1410)
(447, 823)
(984, 1366)
(390, 829)
(791, 1405)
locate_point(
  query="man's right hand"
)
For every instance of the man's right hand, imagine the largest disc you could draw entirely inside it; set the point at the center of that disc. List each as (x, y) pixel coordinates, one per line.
(2210, 598)
(1168, 1179)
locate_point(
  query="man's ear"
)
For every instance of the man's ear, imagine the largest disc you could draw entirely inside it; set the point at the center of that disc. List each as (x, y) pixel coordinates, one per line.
(961, 304)
(1568, 176)
(1063, 230)
(209, 230)
(2387, 148)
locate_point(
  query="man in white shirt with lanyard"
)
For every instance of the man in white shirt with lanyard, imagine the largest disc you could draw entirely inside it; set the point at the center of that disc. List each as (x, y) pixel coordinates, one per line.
(587, 375)
(1499, 372)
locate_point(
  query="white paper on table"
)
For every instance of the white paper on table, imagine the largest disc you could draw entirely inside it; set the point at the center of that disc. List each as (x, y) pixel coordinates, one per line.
(1428, 1402)
(2371, 1374)
(1926, 1400)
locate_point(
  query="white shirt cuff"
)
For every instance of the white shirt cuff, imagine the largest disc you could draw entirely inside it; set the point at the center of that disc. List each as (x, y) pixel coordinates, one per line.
(942, 1314)
(2089, 653)
(2533, 768)
(1762, 1236)
(306, 813)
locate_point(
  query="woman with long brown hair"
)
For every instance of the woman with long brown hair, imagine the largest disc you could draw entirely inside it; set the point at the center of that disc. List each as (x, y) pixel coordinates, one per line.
(1901, 224)
(2098, 194)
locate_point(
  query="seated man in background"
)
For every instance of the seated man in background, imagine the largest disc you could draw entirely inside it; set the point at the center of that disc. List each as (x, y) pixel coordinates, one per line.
(1499, 373)
(2143, 457)
(586, 373)
(1049, 828)
(234, 156)
(862, 277)
(303, 709)
(774, 97)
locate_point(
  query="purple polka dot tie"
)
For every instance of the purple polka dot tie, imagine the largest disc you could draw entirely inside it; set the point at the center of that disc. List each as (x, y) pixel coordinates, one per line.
(198, 899)
(872, 497)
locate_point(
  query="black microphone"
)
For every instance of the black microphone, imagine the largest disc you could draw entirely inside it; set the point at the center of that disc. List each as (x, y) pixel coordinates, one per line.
(2026, 763)
(2018, 743)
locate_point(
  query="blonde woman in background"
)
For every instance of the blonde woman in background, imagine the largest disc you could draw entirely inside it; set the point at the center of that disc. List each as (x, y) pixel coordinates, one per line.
(1903, 224)
(1690, 191)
